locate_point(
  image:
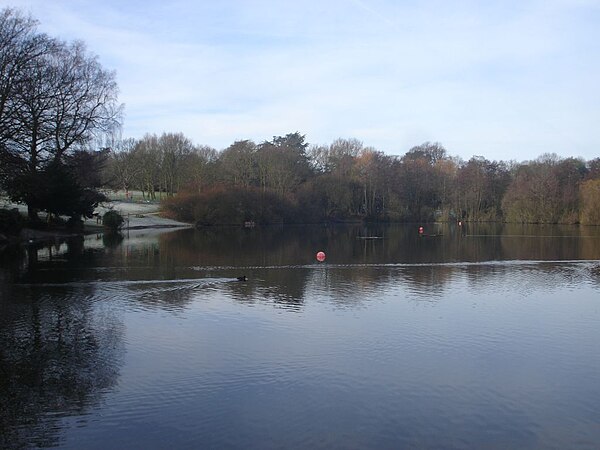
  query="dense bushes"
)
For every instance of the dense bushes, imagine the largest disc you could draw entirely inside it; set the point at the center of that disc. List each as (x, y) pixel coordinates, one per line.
(112, 220)
(229, 206)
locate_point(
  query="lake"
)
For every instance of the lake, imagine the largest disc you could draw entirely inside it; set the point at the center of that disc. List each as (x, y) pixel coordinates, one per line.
(471, 337)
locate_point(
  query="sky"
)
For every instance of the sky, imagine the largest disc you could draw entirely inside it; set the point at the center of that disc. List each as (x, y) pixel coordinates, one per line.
(506, 80)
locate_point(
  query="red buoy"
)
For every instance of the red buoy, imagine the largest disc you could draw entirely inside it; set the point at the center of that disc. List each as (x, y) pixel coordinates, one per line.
(421, 230)
(321, 256)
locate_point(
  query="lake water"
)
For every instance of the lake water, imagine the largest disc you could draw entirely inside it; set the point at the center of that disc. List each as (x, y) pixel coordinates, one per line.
(482, 337)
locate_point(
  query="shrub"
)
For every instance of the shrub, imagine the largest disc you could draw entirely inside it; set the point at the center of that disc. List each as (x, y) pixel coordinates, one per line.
(112, 220)
(231, 206)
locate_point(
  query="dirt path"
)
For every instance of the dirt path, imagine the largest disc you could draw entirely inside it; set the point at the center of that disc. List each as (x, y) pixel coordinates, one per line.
(137, 215)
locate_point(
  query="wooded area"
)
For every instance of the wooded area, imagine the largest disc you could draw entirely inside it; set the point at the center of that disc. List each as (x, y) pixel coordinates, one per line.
(287, 180)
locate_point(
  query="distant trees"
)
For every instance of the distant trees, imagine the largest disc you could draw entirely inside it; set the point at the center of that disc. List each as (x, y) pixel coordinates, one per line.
(158, 165)
(286, 179)
(54, 97)
(545, 191)
(421, 181)
(283, 163)
(480, 187)
(590, 202)
(122, 168)
(348, 181)
(589, 194)
(239, 164)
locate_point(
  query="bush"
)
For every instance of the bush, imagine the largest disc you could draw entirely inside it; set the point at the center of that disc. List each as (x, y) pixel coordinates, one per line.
(231, 206)
(112, 220)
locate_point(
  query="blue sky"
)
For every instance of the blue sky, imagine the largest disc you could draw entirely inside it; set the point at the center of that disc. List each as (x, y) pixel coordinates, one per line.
(505, 80)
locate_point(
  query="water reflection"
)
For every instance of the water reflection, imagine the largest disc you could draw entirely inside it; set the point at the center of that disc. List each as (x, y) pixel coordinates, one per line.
(280, 261)
(58, 355)
(421, 340)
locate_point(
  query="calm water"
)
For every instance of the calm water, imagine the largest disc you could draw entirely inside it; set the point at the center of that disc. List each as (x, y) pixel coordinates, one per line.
(485, 337)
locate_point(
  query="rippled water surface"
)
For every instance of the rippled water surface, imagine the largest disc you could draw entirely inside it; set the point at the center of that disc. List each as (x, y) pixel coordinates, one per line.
(479, 337)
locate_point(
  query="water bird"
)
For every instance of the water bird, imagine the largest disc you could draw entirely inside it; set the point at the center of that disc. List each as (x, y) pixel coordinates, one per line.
(242, 278)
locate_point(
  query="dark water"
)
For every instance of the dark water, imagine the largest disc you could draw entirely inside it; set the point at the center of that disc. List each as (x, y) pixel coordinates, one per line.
(485, 337)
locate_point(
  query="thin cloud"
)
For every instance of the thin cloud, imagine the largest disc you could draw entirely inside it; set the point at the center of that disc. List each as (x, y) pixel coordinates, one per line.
(507, 80)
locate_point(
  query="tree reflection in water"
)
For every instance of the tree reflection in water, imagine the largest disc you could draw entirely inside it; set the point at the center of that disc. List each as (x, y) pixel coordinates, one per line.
(59, 353)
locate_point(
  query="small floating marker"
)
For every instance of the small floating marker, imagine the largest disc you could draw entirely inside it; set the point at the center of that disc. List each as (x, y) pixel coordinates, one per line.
(421, 230)
(460, 223)
(321, 256)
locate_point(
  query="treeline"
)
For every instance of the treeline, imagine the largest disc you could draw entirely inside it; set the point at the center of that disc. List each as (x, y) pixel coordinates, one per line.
(287, 180)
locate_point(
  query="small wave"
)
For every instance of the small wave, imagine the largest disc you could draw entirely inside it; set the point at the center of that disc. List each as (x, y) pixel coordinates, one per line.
(504, 263)
(178, 283)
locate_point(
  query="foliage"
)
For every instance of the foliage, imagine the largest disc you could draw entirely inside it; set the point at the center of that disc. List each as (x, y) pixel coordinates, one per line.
(56, 190)
(112, 220)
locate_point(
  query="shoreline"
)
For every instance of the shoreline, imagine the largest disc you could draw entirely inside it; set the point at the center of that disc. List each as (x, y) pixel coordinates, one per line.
(137, 216)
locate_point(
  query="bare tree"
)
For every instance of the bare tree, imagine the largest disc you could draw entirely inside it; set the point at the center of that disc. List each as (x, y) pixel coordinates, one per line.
(174, 149)
(20, 44)
(239, 163)
(123, 167)
(53, 97)
(146, 155)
